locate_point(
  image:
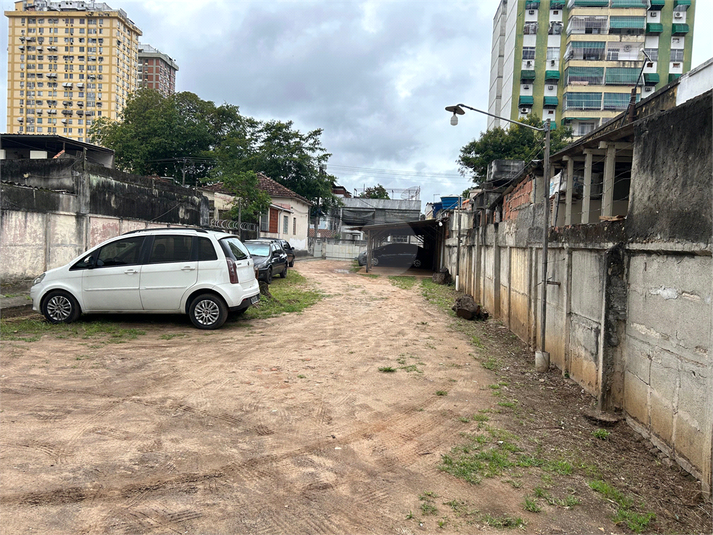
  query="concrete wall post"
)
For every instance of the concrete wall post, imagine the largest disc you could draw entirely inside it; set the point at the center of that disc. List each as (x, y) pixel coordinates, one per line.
(587, 196)
(608, 186)
(570, 182)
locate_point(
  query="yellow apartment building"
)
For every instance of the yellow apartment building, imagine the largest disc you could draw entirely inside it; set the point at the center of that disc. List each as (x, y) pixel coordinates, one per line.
(69, 63)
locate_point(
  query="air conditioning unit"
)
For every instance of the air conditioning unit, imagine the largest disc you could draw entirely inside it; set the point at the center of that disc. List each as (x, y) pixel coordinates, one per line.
(532, 12)
(556, 12)
(553, 63)
(678, 15)
(528, 64)
(550, 87)
(524, 110)
(526, 87)
(653, 14)
(648, 89)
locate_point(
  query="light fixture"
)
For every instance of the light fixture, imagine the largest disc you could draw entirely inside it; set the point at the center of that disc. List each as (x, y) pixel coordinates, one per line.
(457, 110)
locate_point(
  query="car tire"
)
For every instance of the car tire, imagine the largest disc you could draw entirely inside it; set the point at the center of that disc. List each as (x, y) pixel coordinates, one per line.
(374, 261)
(292, 263)
(284, 272)
(268, 276)
(60, 307)
(417, 263)
(208, 311)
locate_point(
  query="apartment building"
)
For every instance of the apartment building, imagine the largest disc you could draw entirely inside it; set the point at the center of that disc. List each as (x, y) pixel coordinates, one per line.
(157, 70)
(69, 63)
(576, 61)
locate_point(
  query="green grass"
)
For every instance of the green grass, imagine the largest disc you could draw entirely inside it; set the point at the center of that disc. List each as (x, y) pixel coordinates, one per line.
(292, 294)
(370, 275)
(441, 393)
(441, 295)
(635, 521)
(171, 336)
(503, 521)
(31, 330)
(601, 434)
(490, 363)
(532, 505)
(387, 369)
(403, 282)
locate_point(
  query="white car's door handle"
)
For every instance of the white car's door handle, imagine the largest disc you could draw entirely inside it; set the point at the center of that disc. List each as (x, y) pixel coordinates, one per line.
(131, 271)
(188, 268)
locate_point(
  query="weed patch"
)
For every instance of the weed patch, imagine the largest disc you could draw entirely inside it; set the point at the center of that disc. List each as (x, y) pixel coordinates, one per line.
(635, 521)
(292, 294)
(403, 282)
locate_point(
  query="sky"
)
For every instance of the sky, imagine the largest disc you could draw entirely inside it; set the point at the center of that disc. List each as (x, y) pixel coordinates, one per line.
(374, 75)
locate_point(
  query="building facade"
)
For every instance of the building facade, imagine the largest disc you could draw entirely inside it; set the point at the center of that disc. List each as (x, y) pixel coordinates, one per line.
(69, 63)
(156, 70)
(576, 61)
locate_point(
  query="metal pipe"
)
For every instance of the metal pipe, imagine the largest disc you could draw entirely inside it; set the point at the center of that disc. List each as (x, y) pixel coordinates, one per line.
(545, 231)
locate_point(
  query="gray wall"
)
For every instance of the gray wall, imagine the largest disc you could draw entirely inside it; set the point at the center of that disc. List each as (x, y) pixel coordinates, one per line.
(629, 304)
(53, 210)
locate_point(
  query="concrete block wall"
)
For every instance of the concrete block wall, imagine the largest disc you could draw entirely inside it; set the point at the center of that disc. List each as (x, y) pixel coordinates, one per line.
(668, 362)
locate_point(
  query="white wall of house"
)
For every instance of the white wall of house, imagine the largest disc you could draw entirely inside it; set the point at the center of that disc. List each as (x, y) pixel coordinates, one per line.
(297, 213)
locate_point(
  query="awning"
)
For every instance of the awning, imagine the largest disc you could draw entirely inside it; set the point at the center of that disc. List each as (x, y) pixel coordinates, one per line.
(557, 4)
(627, 23)
(552, 75)
(658, 4)
(590, 3)
(532, 4)
(629, 3)
(567, 119)
(654, 27)
(526, 100)
(651, 78)
(672, 77)
(550, 101)
(527, 75)
(596, 45)
(679, 29)
(677, 3)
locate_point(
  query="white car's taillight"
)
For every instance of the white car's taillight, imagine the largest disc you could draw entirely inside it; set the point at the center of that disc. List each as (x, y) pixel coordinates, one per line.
(233, 270)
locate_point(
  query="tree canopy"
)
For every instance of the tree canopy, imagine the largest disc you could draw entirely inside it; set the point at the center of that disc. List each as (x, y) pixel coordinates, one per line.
(514, 143)
(183, 135)
(375, 192)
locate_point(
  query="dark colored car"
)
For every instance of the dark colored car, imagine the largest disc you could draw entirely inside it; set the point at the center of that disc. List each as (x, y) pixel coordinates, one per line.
(269, 257)
(289, 250)
(395, 254)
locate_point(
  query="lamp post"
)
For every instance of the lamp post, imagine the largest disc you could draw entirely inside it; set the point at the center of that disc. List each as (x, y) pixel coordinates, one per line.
(542, 358)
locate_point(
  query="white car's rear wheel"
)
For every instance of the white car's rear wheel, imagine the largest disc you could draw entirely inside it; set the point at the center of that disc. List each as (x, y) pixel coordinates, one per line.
(208, 311)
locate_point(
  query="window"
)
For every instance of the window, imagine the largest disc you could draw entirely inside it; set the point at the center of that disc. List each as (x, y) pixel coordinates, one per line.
(528, 52)
(653, 53)
(616, 101)
(205, 250)
(171, 249)
(120, 253)
(530, 28)
(587, 24)
(285, 224)
(582, 128)
(294, 225)
(584, 76)
(553, 53)
(676, 54)
(582, 101)
(586, 50)
(264, 222)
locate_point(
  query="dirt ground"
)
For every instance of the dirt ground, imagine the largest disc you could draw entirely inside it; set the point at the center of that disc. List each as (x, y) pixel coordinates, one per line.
(286, 425)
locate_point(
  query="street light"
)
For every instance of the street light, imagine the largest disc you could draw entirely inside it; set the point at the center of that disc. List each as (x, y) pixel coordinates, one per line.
(542, 358)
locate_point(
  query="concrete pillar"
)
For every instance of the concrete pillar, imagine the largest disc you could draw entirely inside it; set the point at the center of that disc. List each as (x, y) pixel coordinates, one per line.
(587, 196)
(608, 186)
(570, 185)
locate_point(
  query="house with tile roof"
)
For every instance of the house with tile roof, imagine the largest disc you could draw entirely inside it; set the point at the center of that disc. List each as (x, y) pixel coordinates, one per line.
(286, 219)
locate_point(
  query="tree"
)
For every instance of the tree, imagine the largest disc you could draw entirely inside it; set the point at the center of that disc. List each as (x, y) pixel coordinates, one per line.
(375, 192)
(514, 143)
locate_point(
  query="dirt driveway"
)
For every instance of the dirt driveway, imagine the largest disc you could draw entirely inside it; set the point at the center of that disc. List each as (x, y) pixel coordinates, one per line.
(284, 425)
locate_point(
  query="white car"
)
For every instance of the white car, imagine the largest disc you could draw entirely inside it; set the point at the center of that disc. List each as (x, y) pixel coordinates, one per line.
(202, 273)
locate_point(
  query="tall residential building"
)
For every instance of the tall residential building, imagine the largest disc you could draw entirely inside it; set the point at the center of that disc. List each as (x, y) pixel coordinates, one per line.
(157, 70)
(576, 61)
(69, 63)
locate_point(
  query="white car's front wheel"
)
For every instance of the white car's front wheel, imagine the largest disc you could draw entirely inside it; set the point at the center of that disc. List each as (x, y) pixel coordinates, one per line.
(60, 307)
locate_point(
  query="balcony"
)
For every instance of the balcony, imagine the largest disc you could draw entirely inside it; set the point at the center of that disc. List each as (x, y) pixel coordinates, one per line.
(679, 29)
